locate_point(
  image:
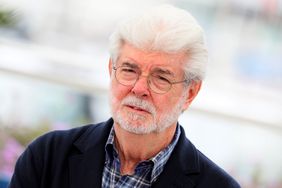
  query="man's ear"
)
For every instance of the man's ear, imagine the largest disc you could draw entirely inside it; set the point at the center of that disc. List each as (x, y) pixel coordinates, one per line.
(193, 90)
(110, 66)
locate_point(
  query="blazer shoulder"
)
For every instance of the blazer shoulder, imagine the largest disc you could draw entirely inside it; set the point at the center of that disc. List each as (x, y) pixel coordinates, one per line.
(62, 140)
(61, 136)
(188, 167)
(215, 175)
(47, 158)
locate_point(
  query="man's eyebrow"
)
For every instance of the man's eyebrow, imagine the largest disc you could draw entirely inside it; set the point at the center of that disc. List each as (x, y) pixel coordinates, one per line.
(132, 65)
(156, 70)
(164, 71)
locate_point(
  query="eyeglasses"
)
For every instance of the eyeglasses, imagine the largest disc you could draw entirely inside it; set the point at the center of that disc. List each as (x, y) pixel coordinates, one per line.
(157, 81)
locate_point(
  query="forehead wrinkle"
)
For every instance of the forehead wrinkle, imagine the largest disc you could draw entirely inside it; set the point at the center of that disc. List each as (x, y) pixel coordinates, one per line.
(154, 69)
(146, 60)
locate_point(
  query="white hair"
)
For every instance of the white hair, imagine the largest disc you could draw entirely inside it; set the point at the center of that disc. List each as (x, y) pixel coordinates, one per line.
(165, 29)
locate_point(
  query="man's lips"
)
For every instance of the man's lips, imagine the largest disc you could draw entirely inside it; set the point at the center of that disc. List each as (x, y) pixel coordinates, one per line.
(137, 108)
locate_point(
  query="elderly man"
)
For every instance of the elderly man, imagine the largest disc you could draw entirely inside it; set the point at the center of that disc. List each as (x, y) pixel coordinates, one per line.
(156, 67)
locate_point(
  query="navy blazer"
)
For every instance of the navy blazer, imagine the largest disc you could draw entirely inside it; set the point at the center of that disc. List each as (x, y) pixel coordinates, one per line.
(75, 159)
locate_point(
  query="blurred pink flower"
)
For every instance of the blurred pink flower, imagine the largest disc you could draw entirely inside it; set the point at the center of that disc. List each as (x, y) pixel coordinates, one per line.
(9, 153)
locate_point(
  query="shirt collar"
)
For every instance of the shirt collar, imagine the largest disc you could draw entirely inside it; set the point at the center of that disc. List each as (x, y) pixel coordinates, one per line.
(110, 148)
(159, 160)
(162, 157)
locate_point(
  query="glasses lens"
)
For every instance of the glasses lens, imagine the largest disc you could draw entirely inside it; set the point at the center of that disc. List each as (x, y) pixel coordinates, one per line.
(126, 75)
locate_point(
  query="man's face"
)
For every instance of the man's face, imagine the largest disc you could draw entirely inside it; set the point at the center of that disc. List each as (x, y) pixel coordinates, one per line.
(138, 109)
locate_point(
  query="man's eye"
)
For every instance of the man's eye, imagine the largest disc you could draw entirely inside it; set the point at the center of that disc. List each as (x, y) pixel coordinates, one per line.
(128, 70)
(162, 79)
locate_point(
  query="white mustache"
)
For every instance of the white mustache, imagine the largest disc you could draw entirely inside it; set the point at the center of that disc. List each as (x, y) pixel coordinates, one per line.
(139, 103)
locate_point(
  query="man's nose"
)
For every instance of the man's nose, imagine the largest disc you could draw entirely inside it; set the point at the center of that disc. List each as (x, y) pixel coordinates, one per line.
(141, 87)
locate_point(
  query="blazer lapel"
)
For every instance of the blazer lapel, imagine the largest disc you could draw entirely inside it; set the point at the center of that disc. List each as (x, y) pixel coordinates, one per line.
(84, 173)
(86, 166)
(181, 167)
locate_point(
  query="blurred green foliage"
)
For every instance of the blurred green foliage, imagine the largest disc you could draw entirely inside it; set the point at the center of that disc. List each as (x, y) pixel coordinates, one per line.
(7, 18)
(25, 134)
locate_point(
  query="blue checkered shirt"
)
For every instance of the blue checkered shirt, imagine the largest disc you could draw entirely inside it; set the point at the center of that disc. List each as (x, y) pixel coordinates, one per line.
(146, 172)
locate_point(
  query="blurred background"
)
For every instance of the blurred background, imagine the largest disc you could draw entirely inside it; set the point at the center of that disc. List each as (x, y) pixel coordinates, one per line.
(53, 75)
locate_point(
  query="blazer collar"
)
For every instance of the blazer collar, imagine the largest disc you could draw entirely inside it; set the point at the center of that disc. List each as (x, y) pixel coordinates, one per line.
(182, 166)
(87, 163)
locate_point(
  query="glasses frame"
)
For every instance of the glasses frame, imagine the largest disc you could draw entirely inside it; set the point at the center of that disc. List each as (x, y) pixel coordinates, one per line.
(148, 81)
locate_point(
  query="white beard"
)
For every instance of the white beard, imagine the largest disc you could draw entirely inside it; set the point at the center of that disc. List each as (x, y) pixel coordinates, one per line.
(139, 124)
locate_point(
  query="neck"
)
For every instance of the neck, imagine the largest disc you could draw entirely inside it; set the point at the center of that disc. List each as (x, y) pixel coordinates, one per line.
(133, 148)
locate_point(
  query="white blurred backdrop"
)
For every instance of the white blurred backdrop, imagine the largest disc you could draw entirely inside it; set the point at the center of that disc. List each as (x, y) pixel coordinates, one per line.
(53, 75)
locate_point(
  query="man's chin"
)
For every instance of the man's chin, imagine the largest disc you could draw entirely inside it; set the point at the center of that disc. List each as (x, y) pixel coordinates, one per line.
(138, 127)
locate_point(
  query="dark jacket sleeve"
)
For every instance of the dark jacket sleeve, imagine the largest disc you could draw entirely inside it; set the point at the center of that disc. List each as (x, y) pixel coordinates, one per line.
(213, 176)
(44, 163)
(27, 173)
